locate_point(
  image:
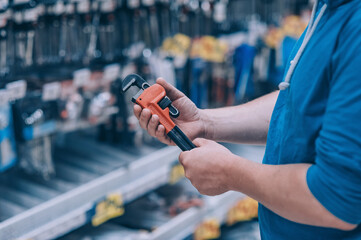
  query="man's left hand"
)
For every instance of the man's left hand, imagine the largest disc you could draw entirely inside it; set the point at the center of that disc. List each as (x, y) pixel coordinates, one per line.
(208, 167)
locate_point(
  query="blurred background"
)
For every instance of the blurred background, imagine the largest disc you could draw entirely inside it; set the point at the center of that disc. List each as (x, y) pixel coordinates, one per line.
(74, 163)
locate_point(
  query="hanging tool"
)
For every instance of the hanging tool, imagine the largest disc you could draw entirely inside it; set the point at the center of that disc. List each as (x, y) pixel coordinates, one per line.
(154, 98)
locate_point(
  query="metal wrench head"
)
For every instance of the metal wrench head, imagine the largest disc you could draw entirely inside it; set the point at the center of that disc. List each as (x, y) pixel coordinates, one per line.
(134, 80)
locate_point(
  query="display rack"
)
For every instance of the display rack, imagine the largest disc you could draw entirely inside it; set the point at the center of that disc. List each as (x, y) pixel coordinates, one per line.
(185, 223)
(215, 207)
(64, 212)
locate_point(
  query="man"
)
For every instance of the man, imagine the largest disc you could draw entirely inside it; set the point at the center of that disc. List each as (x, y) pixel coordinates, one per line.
(309, 186)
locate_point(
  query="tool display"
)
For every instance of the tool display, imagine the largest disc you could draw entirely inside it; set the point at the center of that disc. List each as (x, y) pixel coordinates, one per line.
(154, 98)
(69, 142)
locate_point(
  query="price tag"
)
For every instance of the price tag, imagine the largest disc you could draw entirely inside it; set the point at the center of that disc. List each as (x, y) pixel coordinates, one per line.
(107, 6)
(133, 3)
(18, 17)
(59, 7)
(245, 210)
(16, 90)
(148, 2)
(176, 174)
(51, 91)
(4, 97)
(20, 1)
(69, 8)
(31, 14)
(81, 77)
(3, 19)
(111, 72)
(220, 12)
(110, 207)
(83, 6)
(4, 4)
(209, 229)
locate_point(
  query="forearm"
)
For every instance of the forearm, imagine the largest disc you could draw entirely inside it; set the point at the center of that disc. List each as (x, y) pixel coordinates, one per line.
(246, 123)
(283, 189)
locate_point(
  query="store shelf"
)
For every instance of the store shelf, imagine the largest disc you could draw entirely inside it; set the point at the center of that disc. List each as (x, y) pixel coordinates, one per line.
(185, 223)
(180, 226)
(35, 209)
(69, 126)
(61, 213)
(216, 207)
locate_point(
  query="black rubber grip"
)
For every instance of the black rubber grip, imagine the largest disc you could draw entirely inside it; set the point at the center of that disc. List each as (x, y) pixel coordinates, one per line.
(179, 138)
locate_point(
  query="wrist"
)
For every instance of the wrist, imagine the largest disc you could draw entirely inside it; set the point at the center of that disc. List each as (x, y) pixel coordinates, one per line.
(235, 171)
(206, 131)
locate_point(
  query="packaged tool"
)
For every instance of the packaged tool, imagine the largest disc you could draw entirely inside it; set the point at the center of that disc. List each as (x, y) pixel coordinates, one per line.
(35, 124)
(7, 139)
(5, 42)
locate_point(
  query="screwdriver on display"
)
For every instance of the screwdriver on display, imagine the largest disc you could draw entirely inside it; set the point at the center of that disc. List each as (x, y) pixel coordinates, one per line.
(154, 98)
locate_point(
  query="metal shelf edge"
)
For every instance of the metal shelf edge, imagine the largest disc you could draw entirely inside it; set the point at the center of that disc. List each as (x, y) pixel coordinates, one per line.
(184, 224)
(23, 225)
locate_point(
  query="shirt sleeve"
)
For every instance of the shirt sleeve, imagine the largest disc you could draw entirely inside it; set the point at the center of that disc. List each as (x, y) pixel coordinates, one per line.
(335, 178)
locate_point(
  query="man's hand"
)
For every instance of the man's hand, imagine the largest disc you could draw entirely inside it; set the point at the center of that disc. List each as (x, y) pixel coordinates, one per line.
(207, 167)
(190, 120)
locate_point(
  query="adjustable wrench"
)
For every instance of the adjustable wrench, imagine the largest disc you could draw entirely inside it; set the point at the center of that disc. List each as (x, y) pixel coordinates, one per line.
(154, 98)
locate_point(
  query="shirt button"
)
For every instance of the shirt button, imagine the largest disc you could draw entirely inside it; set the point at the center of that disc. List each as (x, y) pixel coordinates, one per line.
(292, 62)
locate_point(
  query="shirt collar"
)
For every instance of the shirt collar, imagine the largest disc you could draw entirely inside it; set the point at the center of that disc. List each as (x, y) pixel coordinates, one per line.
(333, 3)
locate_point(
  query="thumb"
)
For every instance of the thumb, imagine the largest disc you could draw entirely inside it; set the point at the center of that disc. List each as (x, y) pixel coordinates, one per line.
(172, 92)
(201, 142)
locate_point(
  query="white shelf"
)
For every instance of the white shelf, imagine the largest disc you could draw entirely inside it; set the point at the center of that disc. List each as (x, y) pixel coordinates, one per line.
(185, 223)
(69, 211)
(216, 207)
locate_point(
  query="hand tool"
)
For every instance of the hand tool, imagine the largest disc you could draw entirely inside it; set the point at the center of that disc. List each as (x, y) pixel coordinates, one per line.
(154, 98)
(163, 11)
(4, 65)
(93, 38)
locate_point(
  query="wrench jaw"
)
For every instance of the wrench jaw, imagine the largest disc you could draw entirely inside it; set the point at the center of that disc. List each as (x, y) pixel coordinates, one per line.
(136, 96)
(134, 80)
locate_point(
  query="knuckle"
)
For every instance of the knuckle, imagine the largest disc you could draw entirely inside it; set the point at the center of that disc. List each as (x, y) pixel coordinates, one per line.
(181, 158)
(143, 115)
(158, 134)
(154, 123)
(201, 191)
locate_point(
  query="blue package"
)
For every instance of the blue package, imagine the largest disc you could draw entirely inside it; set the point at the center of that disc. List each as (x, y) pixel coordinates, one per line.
(8, 155)
(243, 63)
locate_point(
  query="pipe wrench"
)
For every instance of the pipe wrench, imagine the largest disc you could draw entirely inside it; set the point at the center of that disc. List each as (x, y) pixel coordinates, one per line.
(154, 98)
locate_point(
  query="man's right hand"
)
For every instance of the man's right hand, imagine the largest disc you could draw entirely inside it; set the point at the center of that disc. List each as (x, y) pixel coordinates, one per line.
(190, 120)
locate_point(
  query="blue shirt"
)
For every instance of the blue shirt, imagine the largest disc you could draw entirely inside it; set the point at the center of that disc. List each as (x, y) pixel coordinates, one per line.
(317, 120)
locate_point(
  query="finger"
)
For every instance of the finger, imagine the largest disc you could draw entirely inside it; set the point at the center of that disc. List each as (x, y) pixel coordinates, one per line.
(181, 158)
(144, 118)
(201, 142)
(153, 125)
(137, 110)
(161, 135)
(172, 92)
